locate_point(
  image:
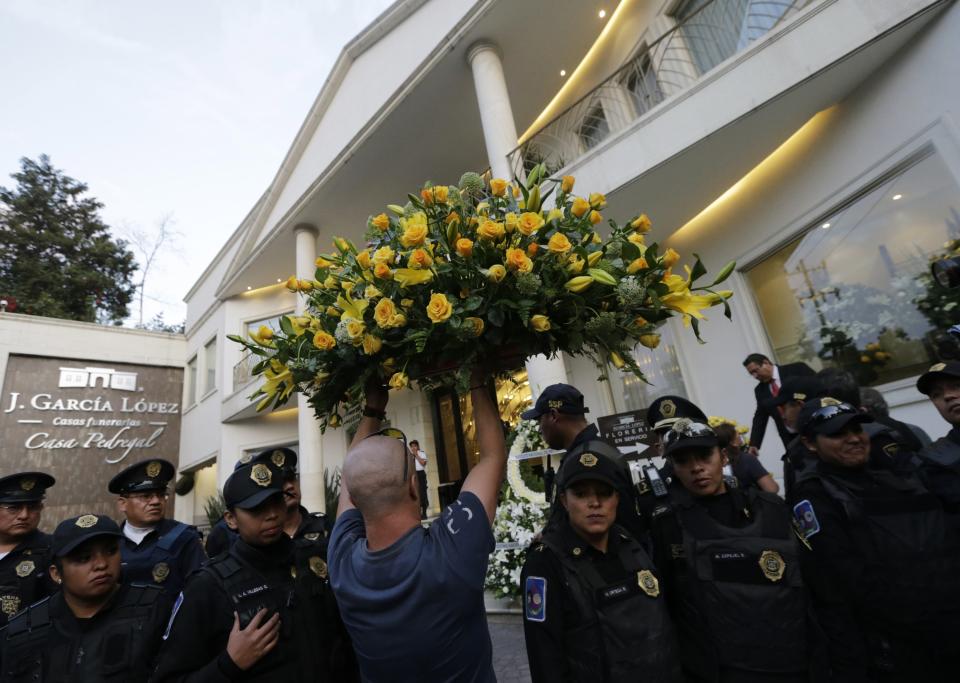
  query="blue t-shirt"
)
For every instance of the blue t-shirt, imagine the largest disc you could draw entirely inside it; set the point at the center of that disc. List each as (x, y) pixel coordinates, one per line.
(415, 609)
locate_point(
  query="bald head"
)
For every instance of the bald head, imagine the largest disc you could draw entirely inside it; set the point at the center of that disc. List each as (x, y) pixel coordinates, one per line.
(374, 475)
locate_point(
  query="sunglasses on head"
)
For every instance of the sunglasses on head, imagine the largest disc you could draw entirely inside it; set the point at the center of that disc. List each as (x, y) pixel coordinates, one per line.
(690, 430)
(827, 413)
(395, 433)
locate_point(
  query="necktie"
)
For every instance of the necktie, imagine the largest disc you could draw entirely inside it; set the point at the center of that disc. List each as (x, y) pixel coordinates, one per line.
(774, 387)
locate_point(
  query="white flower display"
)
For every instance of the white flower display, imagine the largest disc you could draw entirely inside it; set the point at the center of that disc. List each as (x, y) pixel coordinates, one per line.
(517, 521)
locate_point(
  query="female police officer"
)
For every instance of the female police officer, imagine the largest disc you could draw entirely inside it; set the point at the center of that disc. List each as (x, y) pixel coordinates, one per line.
(730, 569)
(594, 610)
(95, 628)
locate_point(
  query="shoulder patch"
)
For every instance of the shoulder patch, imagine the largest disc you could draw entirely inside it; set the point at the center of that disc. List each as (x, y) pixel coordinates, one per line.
(173, 615)
(535, 599)
(807, 522)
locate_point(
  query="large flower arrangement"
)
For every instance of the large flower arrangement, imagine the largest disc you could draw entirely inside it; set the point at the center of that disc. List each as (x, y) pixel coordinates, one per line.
(525, 438)
(517, 521)
(475, 273)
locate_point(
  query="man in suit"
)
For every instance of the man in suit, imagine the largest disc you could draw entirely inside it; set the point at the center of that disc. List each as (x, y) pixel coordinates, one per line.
(770, 379)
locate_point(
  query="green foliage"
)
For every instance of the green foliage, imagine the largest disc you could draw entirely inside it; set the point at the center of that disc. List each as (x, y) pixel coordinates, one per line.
(57, 256)
(214, 508)
(331, 491)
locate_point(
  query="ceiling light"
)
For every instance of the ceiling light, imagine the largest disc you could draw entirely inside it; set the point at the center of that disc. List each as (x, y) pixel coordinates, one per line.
(249, 288)
(563, 72)
(897, 196)
(279, 280)
(602, 13)
(825, 226)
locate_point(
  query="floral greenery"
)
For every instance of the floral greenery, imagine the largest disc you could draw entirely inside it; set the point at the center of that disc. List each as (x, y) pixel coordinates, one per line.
(473, 274)
(939, 304)
(863, 363)
(517, 521)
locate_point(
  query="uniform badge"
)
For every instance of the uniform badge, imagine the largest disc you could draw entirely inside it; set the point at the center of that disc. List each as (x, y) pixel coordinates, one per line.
(827, 401)
(668, 408)
(261, 474)
(9, 604)
(892, 450)
(677, 551)
(153, 469)
(577, 552)
(648, 583)
(86, 521)
(772, 565)
(161, 570)
(807, 522)
(28, 484)
(278, 458)
(312, 536)
(588, 460)
(25, 568)
(937, 367)
(318, 566)
(535, 599)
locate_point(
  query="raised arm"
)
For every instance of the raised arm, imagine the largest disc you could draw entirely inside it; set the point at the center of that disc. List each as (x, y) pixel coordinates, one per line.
(376, 401)
(486, 476)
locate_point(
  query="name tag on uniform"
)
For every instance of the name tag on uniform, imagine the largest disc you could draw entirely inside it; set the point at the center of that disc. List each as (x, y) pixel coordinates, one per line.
(535, 599)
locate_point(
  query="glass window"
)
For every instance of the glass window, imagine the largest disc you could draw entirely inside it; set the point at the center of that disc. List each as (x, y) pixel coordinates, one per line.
(594, 127)
(191, 381)
(661, 368)
(210, 365)
(852, 292)
(642, 83)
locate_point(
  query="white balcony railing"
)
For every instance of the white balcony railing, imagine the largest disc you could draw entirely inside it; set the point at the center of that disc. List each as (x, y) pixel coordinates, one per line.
(706, 32)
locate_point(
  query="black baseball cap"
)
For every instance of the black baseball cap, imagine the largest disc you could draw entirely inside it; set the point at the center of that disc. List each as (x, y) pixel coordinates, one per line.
(560, 397)
(828, 416)
(950, 368)
(251, 484)
(25, 487)
(72, 532)
(588, 465)
(798, 389)
(666, 410)
(149, 475)
(685, 433)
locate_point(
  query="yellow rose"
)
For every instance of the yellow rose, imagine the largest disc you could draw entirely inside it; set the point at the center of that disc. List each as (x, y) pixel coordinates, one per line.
(380, 222)
(371, 344)
(420, 258)
(477, 325)
(510, 221)
(399, 380)
(263, 336)
(291, 283)
(554, 215)
(640, 321)
(636, 238)
(670, 258)
(414, 235)
(490, 230)
(384, 255)
(333, 310)
(518, 260)
(371, 292)
(559, 244)
(617, 360)
(636, 264)
(532, 248)
(438, 308)
(330, 283)
(595, 217)
(382, 271)
(566, 183)
(515, 190)
(334, 420)
(441, 193)
(465, 247)
(322, 262)
(579, 207)
(651, 341)
(452, 217)
(575, 264)
(355, 329)
(363, 259)
(383, 312)
(540, 323)
(498, 187)
(641, 223)
(426, 195)
(496, 273)
(597, 200)
(324, 341)
(529, 222)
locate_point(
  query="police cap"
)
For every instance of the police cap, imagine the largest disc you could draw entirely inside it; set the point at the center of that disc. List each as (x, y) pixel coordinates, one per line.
(588, 465)
(284, 459)
(799, 389)
(149, 475)
(666, 410)
(72, 532)
(828, 416)
(949, 369)
(685, 434)
(560, 397)
(25, 487)
(251, 484)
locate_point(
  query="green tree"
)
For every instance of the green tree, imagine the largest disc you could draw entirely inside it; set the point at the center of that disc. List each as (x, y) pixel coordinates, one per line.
(57, 256)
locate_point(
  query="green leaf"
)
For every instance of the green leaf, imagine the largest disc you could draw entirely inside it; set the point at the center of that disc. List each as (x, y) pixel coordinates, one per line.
(698, 268)
(629, 251)
(472, 303)
(496, 317)
(286, 326)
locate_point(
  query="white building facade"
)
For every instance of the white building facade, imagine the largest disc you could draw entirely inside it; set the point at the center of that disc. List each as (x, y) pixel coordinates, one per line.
(815, 142)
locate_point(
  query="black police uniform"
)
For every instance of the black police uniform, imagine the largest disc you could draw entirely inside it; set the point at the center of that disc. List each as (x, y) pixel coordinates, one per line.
(46, 642)
(172, 550)
(288, 577)
(23, 571)
(592, 615)
(940, 462)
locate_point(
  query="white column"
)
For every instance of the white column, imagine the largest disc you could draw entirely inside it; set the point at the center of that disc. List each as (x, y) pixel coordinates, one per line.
(543, 371)
(496, 115)
(311, 449)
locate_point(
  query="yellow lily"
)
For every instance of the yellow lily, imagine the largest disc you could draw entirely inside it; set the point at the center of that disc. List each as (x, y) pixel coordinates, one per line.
(408, 276)
(352, 309)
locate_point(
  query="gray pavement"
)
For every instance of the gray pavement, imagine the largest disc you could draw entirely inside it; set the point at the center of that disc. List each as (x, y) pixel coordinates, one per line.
(509, 651)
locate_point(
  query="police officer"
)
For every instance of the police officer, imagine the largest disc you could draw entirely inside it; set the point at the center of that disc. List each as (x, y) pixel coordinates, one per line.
(794, 393)
(154, 549)
(94, 628)
(25, 550)
(262, 611)
(731, 572)
(593, 606)
(941, 461)
(559, 411)
(878, 558)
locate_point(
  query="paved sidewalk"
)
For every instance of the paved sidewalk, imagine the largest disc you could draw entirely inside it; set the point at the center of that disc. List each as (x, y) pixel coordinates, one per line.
(509, 651)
